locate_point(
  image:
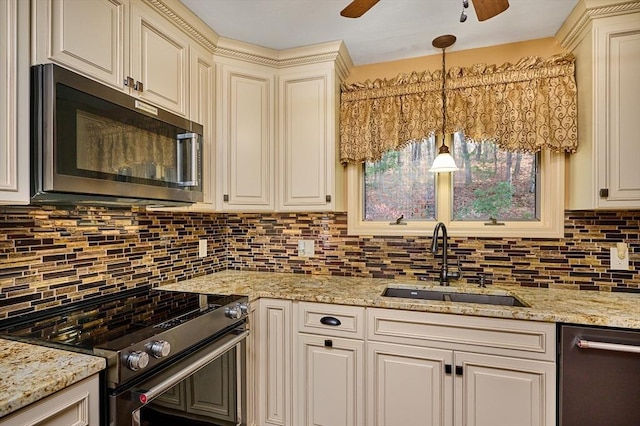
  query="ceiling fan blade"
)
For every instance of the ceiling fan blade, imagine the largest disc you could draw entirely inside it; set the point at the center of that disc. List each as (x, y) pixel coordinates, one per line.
(486, 9)
(357, 8)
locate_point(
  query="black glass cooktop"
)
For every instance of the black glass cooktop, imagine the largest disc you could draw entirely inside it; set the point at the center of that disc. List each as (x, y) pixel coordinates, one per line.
(92, 324)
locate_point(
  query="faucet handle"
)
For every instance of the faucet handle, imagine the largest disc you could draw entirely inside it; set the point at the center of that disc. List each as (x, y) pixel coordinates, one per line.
(458, 274)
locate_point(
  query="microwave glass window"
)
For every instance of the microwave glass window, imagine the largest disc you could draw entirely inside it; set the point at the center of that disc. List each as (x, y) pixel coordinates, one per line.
(123, 150)
(102, 140)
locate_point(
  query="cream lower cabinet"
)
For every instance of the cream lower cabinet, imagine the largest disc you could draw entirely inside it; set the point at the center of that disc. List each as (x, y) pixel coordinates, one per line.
(502, 391)
(434, 369)
(347, 365)
(273, 359)
(330, 373)
(330, 381)
(78, 405)
(408, 385)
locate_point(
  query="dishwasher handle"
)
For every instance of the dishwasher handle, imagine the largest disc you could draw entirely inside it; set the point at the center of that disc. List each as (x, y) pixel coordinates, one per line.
(587, 344)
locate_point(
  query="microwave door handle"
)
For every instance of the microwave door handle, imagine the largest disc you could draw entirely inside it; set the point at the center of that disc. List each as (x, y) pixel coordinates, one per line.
(194, 139)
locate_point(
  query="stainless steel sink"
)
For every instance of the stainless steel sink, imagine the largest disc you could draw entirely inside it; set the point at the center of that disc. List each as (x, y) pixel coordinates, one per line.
(449, 296)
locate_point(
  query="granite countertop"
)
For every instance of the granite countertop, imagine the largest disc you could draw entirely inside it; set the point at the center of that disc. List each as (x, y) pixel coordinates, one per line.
(548, 305)
(29, 372)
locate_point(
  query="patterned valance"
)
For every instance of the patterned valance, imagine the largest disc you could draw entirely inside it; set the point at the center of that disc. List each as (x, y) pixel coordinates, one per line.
(527, 106)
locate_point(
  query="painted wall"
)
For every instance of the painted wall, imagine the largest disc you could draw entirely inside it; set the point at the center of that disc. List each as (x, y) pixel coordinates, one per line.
(511, 52)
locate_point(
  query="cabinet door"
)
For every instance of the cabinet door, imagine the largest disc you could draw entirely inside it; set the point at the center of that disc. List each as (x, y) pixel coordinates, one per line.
(274, 362)
(408, 385)
(246, 136)
(617, 106)
(330, 381)
(85, 35)
(78, 404)
(307, 140)
(201, 111)
(14, 102)
(159, 59)
(502, 391)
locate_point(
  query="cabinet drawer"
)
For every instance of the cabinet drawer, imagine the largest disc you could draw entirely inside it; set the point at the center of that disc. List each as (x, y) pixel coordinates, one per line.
(331, 320)
(525, 339)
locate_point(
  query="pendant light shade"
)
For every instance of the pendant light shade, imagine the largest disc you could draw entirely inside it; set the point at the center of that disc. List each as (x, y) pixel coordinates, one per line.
(444, 162)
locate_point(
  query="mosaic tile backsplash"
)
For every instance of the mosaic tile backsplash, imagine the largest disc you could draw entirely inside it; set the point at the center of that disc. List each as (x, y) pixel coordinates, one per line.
(52, 255)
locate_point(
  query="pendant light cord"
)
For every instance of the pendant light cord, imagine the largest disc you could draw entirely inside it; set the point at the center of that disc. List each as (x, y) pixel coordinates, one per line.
(444, 98)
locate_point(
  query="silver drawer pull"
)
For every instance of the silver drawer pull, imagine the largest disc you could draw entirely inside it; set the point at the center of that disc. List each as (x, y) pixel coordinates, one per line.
(586, 344)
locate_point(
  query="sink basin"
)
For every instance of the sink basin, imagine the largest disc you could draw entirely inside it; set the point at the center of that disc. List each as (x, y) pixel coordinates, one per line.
(448, 296)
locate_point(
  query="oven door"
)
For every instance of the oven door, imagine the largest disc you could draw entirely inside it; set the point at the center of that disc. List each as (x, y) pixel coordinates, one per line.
(206, 387)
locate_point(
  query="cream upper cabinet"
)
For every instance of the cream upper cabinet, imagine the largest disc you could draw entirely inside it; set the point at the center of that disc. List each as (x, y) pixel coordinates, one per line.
(202, 102)
(87, 36)
(604, 173)
(159, 59)
(245, 134)
(309, 175)
(14, 102)
(277, 127)
(126, 44)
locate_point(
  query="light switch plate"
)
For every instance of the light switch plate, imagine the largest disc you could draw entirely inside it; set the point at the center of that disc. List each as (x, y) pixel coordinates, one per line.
(617, 263)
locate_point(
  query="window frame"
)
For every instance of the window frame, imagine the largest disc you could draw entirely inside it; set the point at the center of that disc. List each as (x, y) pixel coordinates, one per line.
(550, 225)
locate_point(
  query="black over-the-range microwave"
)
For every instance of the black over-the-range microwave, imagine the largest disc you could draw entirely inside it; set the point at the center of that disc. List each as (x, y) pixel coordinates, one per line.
(91, 144)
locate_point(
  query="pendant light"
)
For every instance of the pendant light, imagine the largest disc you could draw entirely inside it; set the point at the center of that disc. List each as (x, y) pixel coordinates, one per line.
(444, 162)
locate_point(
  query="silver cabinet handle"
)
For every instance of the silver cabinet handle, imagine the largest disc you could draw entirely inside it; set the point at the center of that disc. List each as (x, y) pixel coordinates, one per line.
(586, 344)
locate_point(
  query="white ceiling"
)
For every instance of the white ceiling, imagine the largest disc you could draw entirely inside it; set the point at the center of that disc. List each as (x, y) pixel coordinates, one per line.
(392, 29)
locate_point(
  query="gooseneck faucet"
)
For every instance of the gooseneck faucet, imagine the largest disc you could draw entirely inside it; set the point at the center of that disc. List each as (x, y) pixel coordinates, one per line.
(445, 275)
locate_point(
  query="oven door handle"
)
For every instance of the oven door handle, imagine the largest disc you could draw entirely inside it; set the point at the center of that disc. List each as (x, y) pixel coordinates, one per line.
(173, 380)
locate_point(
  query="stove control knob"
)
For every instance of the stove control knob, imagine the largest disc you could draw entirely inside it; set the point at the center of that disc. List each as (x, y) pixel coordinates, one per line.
(160, 348)
(233, 312)
(244, 308)
(137, 360)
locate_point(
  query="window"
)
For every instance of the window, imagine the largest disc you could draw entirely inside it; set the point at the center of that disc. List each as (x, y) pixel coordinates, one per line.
(495, 193)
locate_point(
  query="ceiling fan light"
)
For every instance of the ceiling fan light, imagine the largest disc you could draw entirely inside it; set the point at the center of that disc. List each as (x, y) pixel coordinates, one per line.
(463, 16)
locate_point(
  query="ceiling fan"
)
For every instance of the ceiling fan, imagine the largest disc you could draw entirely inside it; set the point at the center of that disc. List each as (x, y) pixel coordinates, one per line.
(485, 9)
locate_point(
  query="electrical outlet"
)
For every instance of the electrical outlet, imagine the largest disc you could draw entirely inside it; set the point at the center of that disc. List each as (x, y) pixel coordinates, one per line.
(619, 260)
(306, 248)
(309, 248)
(202, 248)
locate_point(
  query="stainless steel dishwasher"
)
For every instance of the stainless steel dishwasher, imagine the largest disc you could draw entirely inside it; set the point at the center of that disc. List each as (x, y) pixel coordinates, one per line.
(599, 377)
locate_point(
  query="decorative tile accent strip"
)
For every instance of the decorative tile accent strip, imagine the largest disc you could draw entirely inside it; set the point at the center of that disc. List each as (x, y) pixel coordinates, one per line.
(50, 256)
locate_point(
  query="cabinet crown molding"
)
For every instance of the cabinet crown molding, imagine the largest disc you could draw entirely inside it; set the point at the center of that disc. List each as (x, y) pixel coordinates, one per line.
(573, 28)
(333, 51)
(178, 14)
